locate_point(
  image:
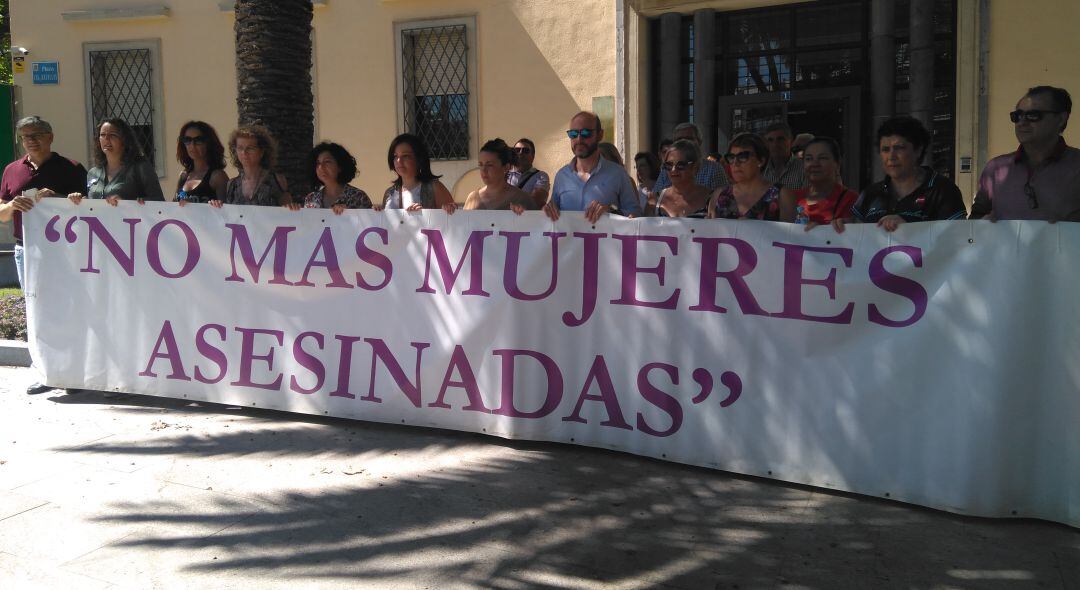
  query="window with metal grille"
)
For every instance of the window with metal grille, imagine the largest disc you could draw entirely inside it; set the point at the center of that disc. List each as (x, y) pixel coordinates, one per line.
(122, 82)
(435, 87)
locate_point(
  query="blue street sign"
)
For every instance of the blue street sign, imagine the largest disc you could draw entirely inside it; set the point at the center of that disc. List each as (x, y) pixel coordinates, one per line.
(46, 72)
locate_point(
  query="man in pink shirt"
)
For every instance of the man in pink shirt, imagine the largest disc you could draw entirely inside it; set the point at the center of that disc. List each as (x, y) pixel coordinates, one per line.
(1041, 179)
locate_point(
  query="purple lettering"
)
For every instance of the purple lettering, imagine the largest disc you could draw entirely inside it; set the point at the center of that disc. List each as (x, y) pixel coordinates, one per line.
(309, 362)
(329, 261)
(710, 256)
(631, 270)
(513, 255)
(599, 373)
(345, 367)
(794, 282)
(376, 259)
(247, 356)
(172, 354)
(459, 362)
(153, 254)
(896, 284)
(211, 353)
(279, 243)
(126, 260)
(660, 399)
(591, 263)
(475, 247)
(554, 384)
(379, 351)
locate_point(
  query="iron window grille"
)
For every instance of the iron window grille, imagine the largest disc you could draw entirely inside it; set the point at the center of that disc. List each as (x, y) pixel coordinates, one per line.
(121, 86)
(435, 88)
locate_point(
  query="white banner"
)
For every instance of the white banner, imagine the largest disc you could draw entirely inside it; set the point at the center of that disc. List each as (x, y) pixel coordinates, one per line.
(930, 366)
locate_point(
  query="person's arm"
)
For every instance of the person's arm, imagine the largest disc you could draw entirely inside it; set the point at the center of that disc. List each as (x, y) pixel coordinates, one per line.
(787, 205)
(443, 199)
(629, 205)
(219, 181)
(542, 189)
(149, 181)
(284, 197)
(950, 203)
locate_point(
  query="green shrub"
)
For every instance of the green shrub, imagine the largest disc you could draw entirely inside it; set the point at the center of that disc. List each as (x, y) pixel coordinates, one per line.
(12, 318)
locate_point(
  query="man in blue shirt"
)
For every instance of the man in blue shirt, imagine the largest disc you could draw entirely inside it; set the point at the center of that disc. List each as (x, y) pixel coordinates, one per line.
(589, 183)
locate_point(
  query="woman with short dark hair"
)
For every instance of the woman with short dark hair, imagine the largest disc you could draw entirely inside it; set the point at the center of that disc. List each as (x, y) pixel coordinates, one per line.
(416, 187)
(202, 156)
(910, 192)
(750, 196)
(331, 167)
(120, 172)
(253, 152)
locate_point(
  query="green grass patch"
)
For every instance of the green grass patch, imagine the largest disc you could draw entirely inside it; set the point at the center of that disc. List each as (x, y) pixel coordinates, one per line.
(5, 291)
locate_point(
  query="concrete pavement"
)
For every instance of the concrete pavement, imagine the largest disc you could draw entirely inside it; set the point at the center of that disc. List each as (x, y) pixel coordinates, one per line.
(147, 492)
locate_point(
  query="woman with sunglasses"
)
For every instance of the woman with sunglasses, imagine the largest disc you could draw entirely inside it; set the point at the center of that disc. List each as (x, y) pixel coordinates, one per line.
(416, 187)
(825, 198)
(750, 196)
(910, 192)
(202, 156)
(120, 172)
(685, 197)
(497, 194)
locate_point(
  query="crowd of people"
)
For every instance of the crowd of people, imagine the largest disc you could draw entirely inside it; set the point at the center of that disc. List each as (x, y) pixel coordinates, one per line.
(775, 176)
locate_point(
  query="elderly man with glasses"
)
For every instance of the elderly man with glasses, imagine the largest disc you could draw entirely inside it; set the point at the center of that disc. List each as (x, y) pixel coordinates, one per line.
(40, 173)
(1041, 179)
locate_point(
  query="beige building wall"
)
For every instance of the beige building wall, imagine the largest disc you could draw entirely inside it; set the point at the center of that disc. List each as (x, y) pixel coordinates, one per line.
(1031, 43)
(538, 62)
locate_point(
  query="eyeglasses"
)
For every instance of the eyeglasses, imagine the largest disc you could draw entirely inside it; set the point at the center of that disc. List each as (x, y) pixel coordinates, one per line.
(1032, 116)
(582, 133)
(1033, 199)
(680, 165)
(525, 150)
(741, 157)
(198, 140)
(33, 136)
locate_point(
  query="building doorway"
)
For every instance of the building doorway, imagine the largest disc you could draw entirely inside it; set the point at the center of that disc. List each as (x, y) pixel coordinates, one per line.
(831, 113)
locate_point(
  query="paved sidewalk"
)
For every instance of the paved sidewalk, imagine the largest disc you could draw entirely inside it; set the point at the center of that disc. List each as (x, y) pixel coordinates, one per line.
(149, 492)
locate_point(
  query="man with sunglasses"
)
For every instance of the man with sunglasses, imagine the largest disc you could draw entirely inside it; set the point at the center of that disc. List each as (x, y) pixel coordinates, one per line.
(710, 175)
(40, 173)
(589, 183)
(1041, 179)
(527, 178)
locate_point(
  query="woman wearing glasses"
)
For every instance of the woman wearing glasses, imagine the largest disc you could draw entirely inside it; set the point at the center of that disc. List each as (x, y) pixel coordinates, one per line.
(200, 152)
(750, 196)
(253, 152)
(910, 192)
(120, 172)
(685, 197)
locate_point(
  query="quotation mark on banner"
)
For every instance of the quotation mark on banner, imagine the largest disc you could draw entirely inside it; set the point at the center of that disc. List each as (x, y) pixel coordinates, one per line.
(69, 232)
(704, 379)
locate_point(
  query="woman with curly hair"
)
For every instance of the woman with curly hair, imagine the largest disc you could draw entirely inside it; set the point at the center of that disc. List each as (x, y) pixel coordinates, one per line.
(253, 152)
(200, 152)
(120, 172)
(331, 167)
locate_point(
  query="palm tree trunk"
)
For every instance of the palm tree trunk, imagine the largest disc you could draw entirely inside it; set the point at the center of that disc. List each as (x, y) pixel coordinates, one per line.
(273, 76)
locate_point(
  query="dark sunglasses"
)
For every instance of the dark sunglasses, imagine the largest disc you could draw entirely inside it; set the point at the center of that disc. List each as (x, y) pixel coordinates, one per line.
(1029, 191)
(680, 165)
(1032, 116)
(741, 157)
(523, 150)
(583, 133)
(198, 139)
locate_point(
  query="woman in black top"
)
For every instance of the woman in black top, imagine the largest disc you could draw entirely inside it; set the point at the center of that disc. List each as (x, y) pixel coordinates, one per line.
(200, 152)
(121, 172)
(909, 192)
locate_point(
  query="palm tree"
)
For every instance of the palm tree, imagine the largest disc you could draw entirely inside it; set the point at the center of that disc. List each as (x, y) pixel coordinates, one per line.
(273, 76)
